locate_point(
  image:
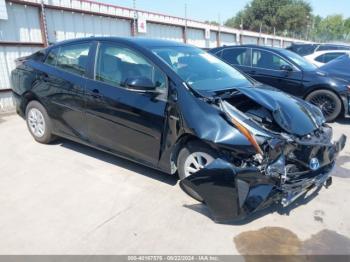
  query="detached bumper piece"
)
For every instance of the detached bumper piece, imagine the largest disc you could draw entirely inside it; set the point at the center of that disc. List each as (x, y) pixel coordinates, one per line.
(233, 193)
(229, 192)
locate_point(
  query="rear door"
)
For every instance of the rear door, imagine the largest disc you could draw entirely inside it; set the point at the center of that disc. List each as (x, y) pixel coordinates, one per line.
(121, 120)
(239, 57)
(266, 68)
(60, 87)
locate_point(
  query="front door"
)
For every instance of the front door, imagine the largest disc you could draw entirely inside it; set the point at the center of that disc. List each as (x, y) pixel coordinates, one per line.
(127, 122)
(267, 68)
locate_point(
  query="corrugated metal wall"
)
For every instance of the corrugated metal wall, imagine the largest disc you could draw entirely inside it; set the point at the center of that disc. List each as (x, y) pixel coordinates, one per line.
(166, 32)
(286, 44)
(196, 37)
(64, 25)
(213, 42)
(227, 39)
(277, 43)
(269, 42)
(22, 24)
(247, 40)
(8, 54)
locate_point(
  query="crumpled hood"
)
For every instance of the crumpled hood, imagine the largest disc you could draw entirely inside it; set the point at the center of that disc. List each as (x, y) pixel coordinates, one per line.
(292, 114)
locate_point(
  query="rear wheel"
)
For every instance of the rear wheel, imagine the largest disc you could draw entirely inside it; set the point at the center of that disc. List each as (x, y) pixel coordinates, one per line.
(38, 122)
(328, 102)
(192, 158)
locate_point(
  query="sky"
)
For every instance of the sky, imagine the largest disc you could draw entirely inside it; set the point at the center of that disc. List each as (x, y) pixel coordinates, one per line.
(210, 9)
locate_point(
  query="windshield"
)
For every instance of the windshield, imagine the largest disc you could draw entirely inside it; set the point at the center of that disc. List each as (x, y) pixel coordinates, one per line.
(201, 70)
(299, 60)
(303, 50)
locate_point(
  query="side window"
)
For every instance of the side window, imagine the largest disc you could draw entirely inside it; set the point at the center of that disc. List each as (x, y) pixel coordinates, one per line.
(237, 56)
(320, 58)
(325, 58)
(115, 64)
(71, 58)
(329, 57)
(51, 58)
(267, 60)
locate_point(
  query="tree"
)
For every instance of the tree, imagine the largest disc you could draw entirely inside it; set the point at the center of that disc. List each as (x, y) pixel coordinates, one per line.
(235, 21)
(347, 29)
(211, 22)
(331, 28)
(284, 16)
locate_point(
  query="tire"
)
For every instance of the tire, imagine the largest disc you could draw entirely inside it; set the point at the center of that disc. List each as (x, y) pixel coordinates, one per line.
(329, 103)
(184, 160)
(39, 123)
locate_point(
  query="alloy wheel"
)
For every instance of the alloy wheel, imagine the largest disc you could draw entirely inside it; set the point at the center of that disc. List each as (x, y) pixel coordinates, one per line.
(325, 103)
(196, 161)
(36, 122)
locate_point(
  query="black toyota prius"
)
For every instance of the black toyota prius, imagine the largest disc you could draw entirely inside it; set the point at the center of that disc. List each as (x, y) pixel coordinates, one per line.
(236, 145)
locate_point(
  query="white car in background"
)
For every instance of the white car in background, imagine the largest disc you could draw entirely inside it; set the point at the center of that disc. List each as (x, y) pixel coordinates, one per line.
(319, 58)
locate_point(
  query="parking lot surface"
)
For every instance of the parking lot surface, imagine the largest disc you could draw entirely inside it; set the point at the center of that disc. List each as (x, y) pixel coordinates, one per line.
(66, 198)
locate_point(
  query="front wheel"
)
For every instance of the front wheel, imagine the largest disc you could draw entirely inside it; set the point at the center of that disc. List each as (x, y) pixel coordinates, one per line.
(328, 102)
(192, 158)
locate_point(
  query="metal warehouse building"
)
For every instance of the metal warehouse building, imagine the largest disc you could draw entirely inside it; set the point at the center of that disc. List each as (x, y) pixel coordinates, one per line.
(28, 25)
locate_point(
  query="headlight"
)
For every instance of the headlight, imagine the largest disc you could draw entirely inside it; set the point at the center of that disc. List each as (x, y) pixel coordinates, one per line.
(237, 118)
(248, 135)
(278, 168)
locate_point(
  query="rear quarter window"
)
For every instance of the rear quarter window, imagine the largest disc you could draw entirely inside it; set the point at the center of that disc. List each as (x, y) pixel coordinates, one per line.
(51, 58)
(38, 56)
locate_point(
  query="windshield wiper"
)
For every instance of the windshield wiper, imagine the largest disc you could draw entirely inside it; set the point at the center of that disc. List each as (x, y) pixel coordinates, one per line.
(226, 93)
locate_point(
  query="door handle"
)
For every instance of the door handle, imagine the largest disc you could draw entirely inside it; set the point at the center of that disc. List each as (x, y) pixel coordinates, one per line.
(96, 93)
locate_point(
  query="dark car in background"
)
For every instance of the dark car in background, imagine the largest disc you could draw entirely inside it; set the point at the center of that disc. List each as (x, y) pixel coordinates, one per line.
(308, 49)
(290, 73)
(339, 68)
(236, 146)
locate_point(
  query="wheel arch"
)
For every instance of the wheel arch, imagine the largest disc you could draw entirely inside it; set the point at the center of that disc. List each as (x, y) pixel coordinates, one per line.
(29, 96)
(180, 143)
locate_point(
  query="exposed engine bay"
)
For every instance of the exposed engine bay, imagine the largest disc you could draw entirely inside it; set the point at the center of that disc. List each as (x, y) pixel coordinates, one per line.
(294, 155)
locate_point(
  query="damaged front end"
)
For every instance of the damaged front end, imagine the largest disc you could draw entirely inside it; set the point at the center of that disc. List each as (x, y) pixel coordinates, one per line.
(286, 166)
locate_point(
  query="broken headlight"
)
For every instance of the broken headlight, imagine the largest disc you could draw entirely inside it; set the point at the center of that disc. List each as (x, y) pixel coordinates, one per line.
(245, 126)
(278, 169)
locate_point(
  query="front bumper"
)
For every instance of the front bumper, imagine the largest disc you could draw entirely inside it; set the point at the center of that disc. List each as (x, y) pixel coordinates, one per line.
(233, 193)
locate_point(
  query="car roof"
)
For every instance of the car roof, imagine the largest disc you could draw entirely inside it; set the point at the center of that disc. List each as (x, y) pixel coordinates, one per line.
(331, 51)
(140, 41)
(249, 46)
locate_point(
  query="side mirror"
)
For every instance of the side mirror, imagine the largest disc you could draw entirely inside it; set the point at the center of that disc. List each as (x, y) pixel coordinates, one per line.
(286, 68)
(140, 83)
